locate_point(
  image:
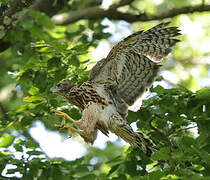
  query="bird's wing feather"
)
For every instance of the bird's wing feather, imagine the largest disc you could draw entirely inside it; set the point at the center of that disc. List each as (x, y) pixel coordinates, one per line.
(132, 64)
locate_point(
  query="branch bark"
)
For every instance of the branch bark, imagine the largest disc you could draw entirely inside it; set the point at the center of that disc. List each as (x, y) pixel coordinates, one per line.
(10, 13)
(97, 12)
(14, 10)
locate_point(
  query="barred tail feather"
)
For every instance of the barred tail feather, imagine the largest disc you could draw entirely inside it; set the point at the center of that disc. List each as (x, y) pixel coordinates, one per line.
(148, 147)
(156, 43)
(135, 138)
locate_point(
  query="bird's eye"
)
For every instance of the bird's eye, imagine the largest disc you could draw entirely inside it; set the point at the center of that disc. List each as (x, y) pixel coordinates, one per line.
(60, 85)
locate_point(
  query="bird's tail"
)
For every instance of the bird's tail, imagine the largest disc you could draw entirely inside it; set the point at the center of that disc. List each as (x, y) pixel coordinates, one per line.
(135, 138)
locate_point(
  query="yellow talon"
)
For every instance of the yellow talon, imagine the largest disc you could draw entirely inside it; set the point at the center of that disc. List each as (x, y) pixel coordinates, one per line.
(59, 113)
(63, 126)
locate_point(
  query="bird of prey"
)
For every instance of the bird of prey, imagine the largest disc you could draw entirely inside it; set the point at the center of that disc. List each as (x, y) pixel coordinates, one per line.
(115, 83)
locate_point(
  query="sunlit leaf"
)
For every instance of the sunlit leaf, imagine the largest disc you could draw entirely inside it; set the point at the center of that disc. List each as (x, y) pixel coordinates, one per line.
(7, 140)
(34, 153)
(162, 154)
(33, 99)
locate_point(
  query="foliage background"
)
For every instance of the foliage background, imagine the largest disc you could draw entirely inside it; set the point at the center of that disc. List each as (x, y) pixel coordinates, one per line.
(38, 51)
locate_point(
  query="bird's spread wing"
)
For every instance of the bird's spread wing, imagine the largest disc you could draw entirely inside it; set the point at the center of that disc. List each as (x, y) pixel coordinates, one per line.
(132, 64)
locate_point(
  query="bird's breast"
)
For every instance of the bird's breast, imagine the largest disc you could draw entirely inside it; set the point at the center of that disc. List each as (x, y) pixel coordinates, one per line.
(88, 92)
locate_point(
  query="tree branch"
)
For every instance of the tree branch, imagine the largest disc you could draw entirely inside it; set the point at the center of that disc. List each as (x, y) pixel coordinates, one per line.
(97, 12)
(10, 13)
(14, 10)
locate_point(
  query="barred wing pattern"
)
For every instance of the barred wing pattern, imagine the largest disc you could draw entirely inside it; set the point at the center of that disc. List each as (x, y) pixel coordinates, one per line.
(132, 65)
(137, 75)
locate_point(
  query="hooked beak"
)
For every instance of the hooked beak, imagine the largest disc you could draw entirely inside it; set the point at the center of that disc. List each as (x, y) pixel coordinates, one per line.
(53, 89)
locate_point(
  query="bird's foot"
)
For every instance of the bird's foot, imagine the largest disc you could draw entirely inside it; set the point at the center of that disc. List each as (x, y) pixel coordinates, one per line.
(87, 137)
(63, 125)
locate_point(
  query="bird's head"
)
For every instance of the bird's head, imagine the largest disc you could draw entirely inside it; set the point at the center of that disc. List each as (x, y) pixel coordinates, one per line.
(62, 88)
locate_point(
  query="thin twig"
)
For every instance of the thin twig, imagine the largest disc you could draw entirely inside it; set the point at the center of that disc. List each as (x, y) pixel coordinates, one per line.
(183, 129)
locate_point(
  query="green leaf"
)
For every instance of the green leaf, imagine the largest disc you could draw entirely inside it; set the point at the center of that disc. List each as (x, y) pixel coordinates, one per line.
(187, 141)
(7, 140)
(206, 178)
(115, 161)
(155, 175)
(34, 99)
(88, 177)
(18, 147)
(74, 61)
(158, 89)
(121, 177)
(26, 78)
(82, 169)
(41, 19)
(40, 80)
(34, 153)
(162, 154)
(27, 24)
(12, 171)
(31, 144)
(54, 63)
(203, 94)
(26, 121)
(80, 48)
(33, 90)
(202, 139)
(113, 169)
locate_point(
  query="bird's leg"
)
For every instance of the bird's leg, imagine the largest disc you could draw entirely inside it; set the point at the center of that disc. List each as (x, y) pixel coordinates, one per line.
(86, 124)
(63, 123)
(64, 115)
